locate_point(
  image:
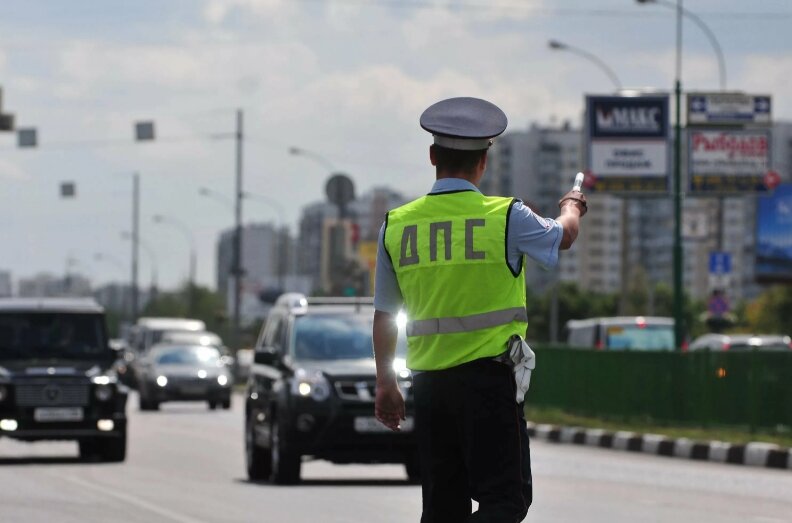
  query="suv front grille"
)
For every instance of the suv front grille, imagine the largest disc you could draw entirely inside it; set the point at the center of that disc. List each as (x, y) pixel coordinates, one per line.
(51, 394)
(365, 390)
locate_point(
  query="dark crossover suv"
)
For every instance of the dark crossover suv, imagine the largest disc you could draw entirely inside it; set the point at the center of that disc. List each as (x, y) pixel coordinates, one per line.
(311, 391)
(57, 377)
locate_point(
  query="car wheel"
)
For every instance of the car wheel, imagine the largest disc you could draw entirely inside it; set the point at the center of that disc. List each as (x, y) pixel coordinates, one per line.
(87, 449)
(226, 403)
(412, 466)
(258, 460)
(149, 404)
(285, 463)
(112, 449)
(145, 404)
(212, 405)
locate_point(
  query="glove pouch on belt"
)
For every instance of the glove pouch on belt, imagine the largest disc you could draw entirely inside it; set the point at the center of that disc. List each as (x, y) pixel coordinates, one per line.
(524, 361)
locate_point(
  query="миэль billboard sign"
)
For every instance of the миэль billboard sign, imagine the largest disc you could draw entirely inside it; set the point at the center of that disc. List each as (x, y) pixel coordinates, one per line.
(627, 143)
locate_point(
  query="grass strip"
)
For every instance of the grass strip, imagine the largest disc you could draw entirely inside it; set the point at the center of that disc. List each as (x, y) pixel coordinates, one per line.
(738, 435)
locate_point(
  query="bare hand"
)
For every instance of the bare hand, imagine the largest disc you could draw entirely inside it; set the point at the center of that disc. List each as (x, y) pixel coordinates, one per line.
(389, 405)
(576, 198)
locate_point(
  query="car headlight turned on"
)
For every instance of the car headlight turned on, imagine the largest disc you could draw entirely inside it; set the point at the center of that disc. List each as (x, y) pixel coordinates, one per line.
(3, 393)
(162, 381)
(222, 380)
(103, 392)
(310, 385)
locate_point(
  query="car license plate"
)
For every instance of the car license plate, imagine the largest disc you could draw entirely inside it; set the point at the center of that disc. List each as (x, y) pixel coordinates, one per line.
(370, 424)
(193, 390)
(46, 414)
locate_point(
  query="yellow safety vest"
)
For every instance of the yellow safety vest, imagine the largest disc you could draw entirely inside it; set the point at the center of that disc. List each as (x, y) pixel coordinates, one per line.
(463, 301)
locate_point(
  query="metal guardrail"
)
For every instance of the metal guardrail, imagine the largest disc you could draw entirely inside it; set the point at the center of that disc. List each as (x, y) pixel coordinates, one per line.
(702, 388)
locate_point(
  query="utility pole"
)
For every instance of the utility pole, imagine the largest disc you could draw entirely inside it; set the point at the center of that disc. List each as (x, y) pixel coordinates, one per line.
(679, 327)
(135, 244)
(237, 265)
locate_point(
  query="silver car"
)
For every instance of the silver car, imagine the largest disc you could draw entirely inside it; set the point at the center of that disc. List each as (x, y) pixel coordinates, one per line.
(184, 373)
(742, 342)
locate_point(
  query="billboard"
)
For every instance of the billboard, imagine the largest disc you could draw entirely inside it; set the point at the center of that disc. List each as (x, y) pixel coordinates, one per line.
(774, 236)
(710, 109)
(627, 143)
(728, 160)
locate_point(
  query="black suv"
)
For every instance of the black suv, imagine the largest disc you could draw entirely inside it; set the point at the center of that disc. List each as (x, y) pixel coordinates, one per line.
(57, 378)
(311, 391)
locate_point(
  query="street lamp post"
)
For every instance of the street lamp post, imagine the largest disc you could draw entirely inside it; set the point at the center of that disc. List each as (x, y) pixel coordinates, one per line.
(279, 213)
(560, 46)
(118, 264)
(135, 237)
(679, 329)
(318, 158)
(237, 265)
(185, 230)
(707, 31)
(112, 260)
(152, 255)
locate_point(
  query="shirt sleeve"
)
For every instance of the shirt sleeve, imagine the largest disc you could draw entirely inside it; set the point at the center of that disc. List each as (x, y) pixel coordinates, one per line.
(533, 235)
(387, 294)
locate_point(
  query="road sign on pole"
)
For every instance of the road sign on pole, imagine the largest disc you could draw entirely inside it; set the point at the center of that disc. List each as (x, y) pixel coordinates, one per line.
(720, 263)
(728, 109)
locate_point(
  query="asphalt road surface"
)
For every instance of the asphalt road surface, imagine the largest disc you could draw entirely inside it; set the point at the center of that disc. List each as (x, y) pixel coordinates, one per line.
(185, 464)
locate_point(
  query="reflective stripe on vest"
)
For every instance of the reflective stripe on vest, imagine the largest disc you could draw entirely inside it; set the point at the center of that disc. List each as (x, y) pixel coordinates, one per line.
(450, 258)
(466, 323)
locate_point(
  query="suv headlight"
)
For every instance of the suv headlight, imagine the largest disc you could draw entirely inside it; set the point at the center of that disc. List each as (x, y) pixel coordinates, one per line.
(3, 392)
(310, 384)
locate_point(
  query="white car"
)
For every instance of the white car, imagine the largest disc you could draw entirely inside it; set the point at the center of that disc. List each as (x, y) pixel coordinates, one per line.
(742, 342)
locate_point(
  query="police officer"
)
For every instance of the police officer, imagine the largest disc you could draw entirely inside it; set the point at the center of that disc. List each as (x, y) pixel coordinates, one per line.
(453, 259)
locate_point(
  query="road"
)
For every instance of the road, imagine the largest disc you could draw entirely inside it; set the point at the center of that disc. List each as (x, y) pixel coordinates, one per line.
(185, 464)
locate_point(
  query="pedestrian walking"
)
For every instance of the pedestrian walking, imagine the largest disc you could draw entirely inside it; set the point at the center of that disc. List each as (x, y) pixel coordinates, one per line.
(453, 260)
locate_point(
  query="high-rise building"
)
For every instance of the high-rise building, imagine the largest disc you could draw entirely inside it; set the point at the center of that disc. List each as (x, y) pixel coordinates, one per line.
(6, 290)
(47, 285)
(116, 297)
(268, 266)
(729, 225)
(538, 165)
(267, 255)
(323, 239)
(628, 239)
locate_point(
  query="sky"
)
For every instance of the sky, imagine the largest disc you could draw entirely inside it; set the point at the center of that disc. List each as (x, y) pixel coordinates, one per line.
(344, 79)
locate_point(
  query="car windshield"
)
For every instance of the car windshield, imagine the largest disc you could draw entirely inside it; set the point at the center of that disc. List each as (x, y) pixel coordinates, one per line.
(31, 335)
(188, 356)
(635, 337)
(336, 337)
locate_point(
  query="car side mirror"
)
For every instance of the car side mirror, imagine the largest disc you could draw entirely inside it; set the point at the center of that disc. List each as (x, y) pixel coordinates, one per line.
(265, 357)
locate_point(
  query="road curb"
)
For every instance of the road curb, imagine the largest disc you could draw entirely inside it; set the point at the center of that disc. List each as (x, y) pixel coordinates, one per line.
(754, 454)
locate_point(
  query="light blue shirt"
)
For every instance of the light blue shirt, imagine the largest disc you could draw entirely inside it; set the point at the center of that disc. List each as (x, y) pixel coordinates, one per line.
(528, 233)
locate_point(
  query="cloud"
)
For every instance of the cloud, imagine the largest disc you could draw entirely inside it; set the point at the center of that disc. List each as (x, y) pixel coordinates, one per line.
(768, 74)
(217, 11)
(94, 69)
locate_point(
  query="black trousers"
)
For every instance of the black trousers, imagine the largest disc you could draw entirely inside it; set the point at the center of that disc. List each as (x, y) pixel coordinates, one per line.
(473, 444)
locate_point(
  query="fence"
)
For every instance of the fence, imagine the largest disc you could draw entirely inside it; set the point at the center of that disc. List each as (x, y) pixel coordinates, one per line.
(719, 388)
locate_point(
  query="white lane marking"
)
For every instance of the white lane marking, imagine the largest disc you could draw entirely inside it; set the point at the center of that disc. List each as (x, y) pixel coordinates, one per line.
(132, 500)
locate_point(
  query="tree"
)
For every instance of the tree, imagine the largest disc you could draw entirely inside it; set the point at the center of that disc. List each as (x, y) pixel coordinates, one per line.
(771, 311)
